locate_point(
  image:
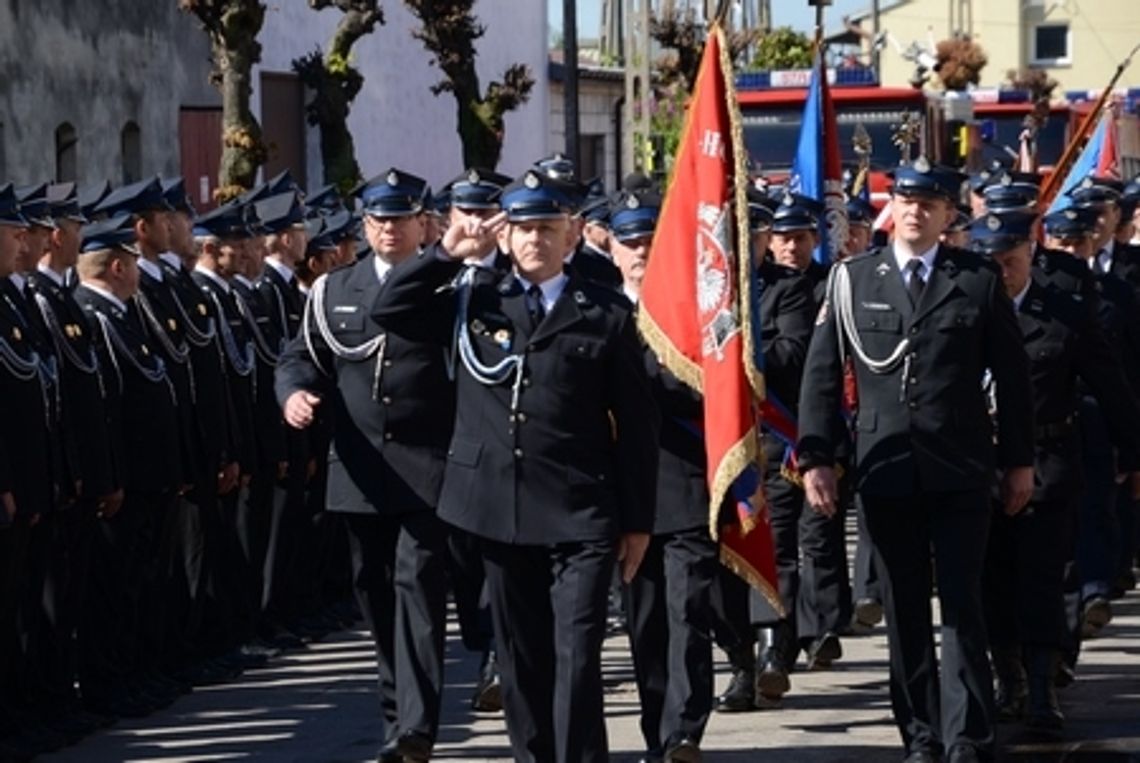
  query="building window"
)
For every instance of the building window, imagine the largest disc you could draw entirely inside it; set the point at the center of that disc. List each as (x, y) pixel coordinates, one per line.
(130, 144)
(592, 157)
(66, 158)
(1050, 45)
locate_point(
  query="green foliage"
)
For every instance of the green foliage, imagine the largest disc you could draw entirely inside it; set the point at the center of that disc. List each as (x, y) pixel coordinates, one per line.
(783, 48)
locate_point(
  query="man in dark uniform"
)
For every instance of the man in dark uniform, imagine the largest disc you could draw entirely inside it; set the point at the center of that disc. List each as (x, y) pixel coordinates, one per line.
(553, 462)
(1026, 555)
(386, 382)
(86, 464)
(923, 323)
(26, 492)
(168, 585)
(143, 441)
(475, 196)
(668, 603)
(782, 306)
(817, 593)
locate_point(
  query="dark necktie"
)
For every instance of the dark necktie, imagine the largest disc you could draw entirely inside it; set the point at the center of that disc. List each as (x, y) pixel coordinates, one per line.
(534, 306)
(1098, 264)
(916, 283)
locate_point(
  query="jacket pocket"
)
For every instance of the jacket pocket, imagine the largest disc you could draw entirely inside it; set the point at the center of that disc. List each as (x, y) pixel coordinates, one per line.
(464, 452)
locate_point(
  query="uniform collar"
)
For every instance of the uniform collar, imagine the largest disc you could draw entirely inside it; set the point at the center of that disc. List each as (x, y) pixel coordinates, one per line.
(56, 278)
(927, 257)
(1020, 296)
(243, 281)
(150, 268)
(551, 288)
(107, 296)
(18, 281)
(383, 268)
(171, 259)
(282, 269)
(221, 282)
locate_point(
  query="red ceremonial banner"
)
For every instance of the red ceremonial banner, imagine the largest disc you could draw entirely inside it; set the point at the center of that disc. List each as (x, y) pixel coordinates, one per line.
(694, 309)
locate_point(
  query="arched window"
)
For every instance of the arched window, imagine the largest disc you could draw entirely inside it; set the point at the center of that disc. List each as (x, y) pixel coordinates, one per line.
(66, 154)
(130, 144)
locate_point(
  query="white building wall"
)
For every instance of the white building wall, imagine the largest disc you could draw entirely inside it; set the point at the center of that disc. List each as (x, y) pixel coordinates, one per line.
(395, 120)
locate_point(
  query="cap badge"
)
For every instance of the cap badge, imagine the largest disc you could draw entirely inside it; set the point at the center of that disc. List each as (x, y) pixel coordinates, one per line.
(473, 177)
(993, 222)
(393, 178)
(921, 164)
(531, 181)
(1087, 182)
(1071, 214)
(632, 202)
(1007, 180)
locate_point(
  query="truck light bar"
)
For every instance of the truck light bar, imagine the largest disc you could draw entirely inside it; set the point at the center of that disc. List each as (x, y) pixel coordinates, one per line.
(794, 78)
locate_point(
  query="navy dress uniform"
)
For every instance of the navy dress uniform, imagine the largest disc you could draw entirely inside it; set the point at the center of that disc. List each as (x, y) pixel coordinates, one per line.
(554, 456)
(26, 474)
(925, 455)
(816, 591)
(477, 190)
(385, 381)
(143, 438)
(668, 604)
(1026, 555)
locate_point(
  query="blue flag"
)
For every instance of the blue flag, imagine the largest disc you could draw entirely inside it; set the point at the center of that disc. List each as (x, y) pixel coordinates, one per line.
(817, 171)
(1088, 163)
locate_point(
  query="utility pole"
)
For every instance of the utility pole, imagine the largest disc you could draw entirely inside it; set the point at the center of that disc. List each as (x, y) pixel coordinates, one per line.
(876, 53)
(635, 127)
(570, 84)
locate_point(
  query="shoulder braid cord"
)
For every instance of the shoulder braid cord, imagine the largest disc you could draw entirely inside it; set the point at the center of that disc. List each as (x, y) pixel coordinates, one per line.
(241, 362)
(260, 343)
(180, 355)
(26, 370)
(511, 365)
(116, 347)
(839, 290)
(314, 312)
(194, 335)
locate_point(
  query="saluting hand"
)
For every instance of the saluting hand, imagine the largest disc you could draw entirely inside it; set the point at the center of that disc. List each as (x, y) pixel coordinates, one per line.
(1016, 488)
(299, 409)
(472, 237)
(631, 550)
(822, 490)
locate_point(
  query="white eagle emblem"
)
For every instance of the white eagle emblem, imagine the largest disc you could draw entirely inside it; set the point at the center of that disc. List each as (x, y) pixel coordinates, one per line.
(718, 318)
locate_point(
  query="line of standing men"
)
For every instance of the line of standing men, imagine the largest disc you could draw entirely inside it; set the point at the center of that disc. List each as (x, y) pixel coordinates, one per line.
(156, 525)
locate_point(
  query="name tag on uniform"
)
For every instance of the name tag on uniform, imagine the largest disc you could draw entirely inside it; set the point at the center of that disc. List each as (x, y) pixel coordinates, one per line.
(881, 306)
(345, 308)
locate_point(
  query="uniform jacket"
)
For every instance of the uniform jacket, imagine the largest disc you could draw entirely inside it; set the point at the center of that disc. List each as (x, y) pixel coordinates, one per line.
(268, 424)
(551, 471)
(1064, 342)
(393, 412)
(83, 412)
(595, 266)
(928, 429)
(237, 355)
(26, 454)
(142, 415)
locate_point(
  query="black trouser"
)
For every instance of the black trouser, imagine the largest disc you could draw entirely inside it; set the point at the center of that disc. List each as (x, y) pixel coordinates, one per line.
(14, 544)
(150, 582)
(549, 607)
(1025, 568)
(465, 567)
(670, 633)
(732, 627)
(251, 525)
(866, 577)
(958, 709)
(399, 575)
(103, 617)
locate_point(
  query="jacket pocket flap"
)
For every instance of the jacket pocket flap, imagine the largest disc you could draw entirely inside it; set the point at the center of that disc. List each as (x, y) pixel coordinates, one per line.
(464, 452)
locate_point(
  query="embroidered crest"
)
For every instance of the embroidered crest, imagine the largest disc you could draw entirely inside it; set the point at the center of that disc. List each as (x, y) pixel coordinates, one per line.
(882, 269)
(714, 288)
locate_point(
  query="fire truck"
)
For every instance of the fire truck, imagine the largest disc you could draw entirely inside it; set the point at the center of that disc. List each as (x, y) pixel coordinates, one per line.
(966, 129)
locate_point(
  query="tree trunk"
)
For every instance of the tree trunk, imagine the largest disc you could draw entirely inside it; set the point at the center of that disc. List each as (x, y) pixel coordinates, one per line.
(243, 149)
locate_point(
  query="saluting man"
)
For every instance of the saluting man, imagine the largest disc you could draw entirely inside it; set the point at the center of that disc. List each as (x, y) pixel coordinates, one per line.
(922, 323)
(385, 382)
(553, 462)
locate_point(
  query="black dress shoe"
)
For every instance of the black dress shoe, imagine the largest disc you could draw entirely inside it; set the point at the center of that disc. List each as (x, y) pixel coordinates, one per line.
(414, 747)
(823, 651)
(683, 750)
(1097, 614)
(738, 696)
(921, 756)
(389, 754)
(963, 753)
(868, 612)
(488, 697)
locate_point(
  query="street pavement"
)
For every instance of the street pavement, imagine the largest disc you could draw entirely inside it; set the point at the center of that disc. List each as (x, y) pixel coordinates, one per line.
(320, 705)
